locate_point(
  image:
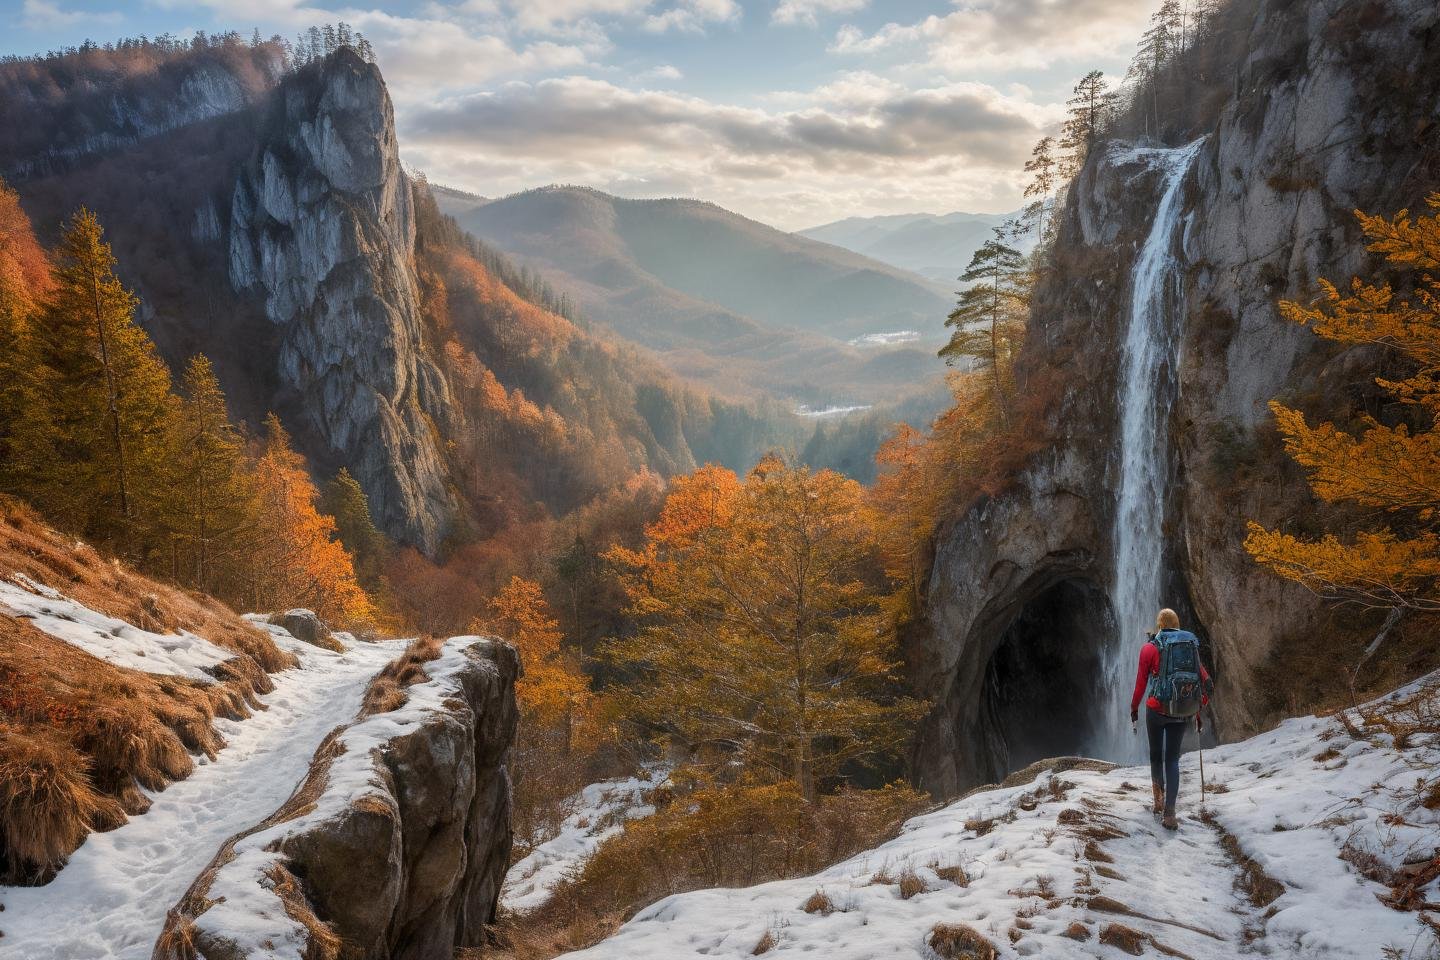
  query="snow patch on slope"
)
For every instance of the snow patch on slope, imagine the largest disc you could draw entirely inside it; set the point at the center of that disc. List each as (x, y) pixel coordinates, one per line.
(182, 654)
(1049, 869)
(598, 812)
(110, 900)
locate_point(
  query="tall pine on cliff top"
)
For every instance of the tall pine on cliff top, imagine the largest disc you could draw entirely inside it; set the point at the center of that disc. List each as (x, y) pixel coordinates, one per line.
(989, 319)
(1390, 470)
(100, 457)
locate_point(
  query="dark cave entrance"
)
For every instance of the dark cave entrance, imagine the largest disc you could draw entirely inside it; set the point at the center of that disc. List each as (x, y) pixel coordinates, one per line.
(1043, 684)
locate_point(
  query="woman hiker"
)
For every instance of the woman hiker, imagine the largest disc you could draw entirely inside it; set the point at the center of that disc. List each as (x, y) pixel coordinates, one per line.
(1174, 683)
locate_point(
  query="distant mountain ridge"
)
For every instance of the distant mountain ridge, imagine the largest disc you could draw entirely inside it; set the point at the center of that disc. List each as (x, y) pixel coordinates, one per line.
(726, 300)
(935, 246)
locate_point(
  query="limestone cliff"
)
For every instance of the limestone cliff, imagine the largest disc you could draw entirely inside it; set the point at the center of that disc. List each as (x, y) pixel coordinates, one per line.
(395, 846)
(322, 227)
(1332, 107)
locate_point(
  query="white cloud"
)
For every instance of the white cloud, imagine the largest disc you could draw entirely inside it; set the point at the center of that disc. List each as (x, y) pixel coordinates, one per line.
(665, 71)
(45, 15)
(692, 16)
(808, 12)
(961, 145)
(423, 56)
(1009, 34)
(548, 15)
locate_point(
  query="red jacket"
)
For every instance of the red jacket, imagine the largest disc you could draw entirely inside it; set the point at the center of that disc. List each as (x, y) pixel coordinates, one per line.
(1149, 666)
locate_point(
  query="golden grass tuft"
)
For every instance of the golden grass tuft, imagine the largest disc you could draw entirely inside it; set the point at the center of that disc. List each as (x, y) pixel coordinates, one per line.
(322, 942)
(956, 941)
(819, 902)
(102, 731)
(911, 885)
(47, 802)
(387, 691)
(766, 943)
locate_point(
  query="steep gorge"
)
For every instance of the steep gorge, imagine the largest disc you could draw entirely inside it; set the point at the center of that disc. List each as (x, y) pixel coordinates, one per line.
(1331, 108)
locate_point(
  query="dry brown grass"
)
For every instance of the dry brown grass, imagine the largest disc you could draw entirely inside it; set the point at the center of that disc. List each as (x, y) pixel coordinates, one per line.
(766, 943)
(956, 941)
(819, 902)
(321, 942)
(1259, 887)
(911, 885)
(83, 736)
(387, 691)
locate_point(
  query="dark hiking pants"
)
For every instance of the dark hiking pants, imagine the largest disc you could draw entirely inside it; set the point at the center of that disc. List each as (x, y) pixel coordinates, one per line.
(1166, 736)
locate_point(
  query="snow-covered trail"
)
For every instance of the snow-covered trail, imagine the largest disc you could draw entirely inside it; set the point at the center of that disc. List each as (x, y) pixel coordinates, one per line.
(1074, 865)
(109, 902)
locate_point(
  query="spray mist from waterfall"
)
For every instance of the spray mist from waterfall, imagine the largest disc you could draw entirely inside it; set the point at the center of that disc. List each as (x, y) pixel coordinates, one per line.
(1147, 392)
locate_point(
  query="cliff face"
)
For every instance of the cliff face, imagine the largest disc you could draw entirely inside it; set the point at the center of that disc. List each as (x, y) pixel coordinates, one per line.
(322, 227)
(394, 848)
(1333, 108)
(106, 101)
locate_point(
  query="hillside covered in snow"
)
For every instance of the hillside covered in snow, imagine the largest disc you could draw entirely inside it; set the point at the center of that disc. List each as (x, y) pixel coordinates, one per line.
(1313, 840)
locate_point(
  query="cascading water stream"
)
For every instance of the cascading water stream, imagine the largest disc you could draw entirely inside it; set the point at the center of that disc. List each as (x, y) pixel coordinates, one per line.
(1146, 395)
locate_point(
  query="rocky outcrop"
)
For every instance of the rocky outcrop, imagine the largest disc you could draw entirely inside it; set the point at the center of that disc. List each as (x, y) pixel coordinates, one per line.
(306, 626)
(1333, 107)
(322, 228)
(394, 848)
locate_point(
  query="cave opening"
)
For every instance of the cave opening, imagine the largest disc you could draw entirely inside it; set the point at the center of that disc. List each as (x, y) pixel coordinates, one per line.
(1044, 683)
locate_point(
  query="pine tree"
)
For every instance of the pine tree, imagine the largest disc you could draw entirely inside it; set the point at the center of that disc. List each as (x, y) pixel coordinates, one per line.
(990, 316)
(212, 495)
(1085, 122)
(1392, 470)
(1044, 179)
(25, 282)
(109, 399)
(346, 502)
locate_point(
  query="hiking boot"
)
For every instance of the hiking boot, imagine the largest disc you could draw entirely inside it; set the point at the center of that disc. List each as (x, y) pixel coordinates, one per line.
(1170, 823)
(1158, 807)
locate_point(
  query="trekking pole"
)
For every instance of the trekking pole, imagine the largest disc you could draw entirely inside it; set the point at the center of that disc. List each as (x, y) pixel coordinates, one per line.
(1202, 779)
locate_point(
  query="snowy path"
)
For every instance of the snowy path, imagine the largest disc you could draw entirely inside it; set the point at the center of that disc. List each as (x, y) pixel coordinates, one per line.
(110, 900)
(1085, 870)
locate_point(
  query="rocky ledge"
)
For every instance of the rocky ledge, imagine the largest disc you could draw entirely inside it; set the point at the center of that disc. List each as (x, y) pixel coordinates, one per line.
(394, 847)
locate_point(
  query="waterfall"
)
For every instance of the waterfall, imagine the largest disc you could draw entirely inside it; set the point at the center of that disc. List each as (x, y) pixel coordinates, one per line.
(1146, 395)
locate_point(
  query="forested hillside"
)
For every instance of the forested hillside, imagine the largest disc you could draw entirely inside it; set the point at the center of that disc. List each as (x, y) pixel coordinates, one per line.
(666, 274)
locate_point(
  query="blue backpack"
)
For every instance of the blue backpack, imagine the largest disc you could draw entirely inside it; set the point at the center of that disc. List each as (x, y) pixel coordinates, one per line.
(1176, 685)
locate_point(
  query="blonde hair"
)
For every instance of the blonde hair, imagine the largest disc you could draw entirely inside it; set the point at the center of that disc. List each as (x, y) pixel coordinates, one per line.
(1167, 620)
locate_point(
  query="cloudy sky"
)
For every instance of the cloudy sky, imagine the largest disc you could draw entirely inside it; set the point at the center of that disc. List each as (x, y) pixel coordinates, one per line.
(795, 112)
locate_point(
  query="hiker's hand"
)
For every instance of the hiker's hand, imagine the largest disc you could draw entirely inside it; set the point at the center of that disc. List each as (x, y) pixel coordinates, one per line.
(1199, 723)
(1134, 716)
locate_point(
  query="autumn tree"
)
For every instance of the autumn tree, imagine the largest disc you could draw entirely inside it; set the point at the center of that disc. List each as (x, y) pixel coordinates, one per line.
(347, 503)
(99, 462)
(762, 639)
(212, 499)
(1390, 469)
(295, 558)
(989, 318)
(25, 283)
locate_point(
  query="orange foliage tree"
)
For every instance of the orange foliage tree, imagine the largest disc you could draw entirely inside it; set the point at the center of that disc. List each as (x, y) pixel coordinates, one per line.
(1392, 469)
(554, 694)
(761, 637)
(296, 557)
